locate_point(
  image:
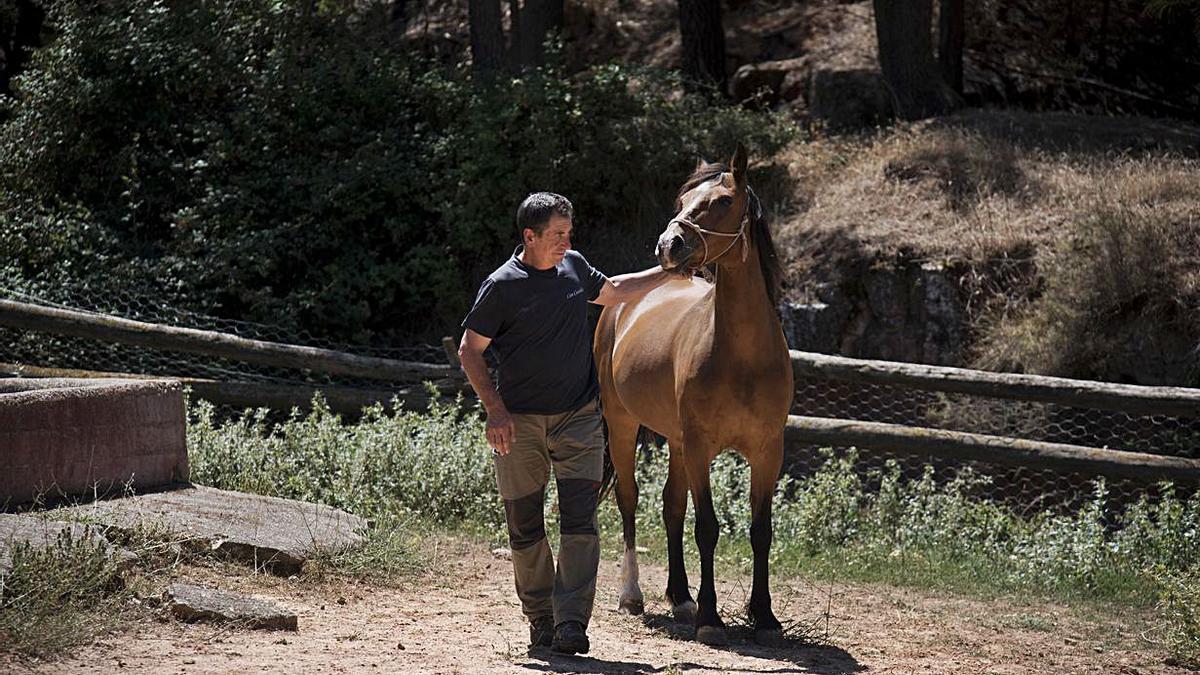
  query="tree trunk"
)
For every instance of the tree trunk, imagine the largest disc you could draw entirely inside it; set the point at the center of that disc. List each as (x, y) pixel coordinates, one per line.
(487, 37)
(703, 38)
(906, 59)
(514, 35)
(19, 40)
(951, 33)
(1102, 48)
(538, 19)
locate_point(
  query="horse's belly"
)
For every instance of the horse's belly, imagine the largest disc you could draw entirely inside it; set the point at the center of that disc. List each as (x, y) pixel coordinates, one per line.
(643, 357)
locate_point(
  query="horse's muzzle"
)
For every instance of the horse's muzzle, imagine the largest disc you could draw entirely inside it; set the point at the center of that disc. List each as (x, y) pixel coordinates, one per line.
(672, 251)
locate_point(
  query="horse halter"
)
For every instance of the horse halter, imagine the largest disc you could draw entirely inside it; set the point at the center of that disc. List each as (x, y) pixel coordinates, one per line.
(739, 235)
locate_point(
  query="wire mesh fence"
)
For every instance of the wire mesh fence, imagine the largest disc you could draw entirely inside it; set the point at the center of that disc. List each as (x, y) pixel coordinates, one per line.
(1024, 487)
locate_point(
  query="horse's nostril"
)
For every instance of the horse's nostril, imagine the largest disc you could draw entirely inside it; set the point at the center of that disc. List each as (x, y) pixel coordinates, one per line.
(677, 245)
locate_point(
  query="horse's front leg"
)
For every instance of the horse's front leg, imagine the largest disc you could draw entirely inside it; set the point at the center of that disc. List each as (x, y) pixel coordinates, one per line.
(764, 474)
(709, 627)
(675, 494)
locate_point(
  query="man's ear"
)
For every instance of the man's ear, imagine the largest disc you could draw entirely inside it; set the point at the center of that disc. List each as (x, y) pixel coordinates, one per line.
(739, 163)
(527, 235)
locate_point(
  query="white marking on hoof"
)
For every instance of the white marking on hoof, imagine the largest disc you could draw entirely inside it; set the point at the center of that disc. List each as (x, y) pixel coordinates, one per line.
(770, 637)
(684, 612)
(711, 635)
(631, 591)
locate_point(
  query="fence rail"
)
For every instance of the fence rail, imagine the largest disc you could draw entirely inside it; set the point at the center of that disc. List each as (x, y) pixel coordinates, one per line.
(969, 447)
(1128, 398)
(911, 439)
(211, 343)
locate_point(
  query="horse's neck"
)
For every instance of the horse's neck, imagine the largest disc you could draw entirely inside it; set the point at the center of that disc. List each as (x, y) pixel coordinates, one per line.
(744, 320)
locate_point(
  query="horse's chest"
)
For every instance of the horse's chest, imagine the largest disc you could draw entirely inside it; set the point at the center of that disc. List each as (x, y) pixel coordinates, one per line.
(755, 396)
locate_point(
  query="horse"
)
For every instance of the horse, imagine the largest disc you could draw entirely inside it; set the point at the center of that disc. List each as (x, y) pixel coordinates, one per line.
(703, 363)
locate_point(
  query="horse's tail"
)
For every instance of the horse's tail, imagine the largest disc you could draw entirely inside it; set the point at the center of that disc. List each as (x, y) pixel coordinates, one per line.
(645, 439)
(610, 472)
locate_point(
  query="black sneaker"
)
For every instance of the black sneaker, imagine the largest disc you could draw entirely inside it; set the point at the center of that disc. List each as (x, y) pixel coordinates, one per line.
(570, 638)
(541, 631)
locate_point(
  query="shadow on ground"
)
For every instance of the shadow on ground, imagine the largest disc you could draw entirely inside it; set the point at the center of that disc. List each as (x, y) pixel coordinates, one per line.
(795, 656)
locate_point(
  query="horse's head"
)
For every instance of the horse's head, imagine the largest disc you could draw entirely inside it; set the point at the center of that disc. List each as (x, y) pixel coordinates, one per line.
(710, 217)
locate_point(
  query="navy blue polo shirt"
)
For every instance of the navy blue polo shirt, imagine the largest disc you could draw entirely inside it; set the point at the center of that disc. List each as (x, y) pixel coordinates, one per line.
(537, 320)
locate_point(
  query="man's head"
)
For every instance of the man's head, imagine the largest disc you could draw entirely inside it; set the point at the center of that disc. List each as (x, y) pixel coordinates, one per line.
(544, 221)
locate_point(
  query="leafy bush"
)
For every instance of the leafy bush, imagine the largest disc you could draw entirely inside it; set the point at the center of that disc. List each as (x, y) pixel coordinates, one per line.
(304, 169)
(434, 465)
(835, 521)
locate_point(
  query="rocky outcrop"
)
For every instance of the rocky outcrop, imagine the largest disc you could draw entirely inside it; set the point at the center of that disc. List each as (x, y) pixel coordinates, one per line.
(909, 312)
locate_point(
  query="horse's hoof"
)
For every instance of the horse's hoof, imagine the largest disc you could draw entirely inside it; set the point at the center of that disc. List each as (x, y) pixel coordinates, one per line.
(770, 637)
(714, 636)
(632, 606)
(684, 612)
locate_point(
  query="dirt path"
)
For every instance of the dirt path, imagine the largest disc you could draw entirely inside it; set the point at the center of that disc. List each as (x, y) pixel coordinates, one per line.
(464, 618)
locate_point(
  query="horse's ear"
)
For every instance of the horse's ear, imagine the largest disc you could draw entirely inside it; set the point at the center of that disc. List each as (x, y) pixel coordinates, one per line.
(739, 162)
(700, 164)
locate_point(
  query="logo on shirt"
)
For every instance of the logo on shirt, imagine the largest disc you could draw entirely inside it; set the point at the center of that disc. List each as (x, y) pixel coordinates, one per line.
(574, 293)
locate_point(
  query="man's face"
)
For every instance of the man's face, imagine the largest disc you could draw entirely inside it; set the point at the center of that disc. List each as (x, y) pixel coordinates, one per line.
(553, 242)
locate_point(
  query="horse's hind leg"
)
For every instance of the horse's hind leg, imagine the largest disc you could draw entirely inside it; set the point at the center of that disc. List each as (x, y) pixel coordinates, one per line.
(622, 446)
(675, 494)
(764, 474)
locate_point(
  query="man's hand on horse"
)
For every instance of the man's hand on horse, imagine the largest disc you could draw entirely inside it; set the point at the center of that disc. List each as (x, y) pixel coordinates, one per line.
(500, 430)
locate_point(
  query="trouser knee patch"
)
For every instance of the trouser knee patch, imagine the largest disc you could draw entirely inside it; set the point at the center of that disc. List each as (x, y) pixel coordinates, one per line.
(525, 524)
(577, 499)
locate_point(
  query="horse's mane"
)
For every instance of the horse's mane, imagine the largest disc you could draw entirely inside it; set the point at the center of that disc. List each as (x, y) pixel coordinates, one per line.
(768, 261)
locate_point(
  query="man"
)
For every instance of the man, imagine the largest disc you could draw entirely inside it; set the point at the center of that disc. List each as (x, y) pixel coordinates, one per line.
(545, 411)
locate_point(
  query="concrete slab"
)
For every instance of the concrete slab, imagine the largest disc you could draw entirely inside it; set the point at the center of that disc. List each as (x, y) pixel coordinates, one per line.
(198, 603)
(40, 532)
(279, 534)
(85, 438)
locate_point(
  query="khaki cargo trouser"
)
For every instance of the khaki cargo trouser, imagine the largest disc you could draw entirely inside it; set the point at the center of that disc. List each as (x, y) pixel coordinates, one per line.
(573, 443)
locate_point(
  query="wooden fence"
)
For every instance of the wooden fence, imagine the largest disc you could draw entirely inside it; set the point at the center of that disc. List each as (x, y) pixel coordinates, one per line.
(801, 430)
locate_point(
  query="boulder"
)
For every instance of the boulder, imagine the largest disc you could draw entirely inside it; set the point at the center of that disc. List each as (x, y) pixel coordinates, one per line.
(848, 100)
(775, 81)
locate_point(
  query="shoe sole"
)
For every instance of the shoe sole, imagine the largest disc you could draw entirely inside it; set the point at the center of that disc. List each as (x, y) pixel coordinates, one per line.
(580, 647)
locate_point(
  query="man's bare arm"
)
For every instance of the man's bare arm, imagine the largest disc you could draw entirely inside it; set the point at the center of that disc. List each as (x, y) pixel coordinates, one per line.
(626, 287)
(500, 427)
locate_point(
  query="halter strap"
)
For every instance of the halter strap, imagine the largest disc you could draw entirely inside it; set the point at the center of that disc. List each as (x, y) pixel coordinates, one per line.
(739, 235)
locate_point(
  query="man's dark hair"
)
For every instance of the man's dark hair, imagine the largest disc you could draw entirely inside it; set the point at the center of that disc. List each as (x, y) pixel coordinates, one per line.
(536, 210)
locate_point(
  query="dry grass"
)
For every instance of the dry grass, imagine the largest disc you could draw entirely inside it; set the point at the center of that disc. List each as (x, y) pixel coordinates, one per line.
(1062, 224)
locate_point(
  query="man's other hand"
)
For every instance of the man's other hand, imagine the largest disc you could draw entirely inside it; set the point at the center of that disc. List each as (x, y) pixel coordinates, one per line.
(500, 430)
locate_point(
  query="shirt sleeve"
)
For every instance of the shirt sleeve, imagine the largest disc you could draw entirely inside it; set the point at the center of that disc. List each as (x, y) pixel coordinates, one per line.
(591, 278)
(487, 315)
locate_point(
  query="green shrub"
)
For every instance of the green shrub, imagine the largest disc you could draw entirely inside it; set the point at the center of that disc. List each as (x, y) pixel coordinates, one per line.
(907, 530)
(435, 466)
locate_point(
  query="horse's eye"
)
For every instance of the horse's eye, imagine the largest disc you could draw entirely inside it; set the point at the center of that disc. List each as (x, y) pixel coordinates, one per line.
(725, 201)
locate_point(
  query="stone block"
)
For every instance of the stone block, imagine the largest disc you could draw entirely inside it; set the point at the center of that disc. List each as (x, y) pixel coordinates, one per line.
(188, 602)
(87, 438)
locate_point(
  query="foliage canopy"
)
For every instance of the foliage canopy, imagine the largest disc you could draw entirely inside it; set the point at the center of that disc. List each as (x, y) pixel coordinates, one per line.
(255, 161)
